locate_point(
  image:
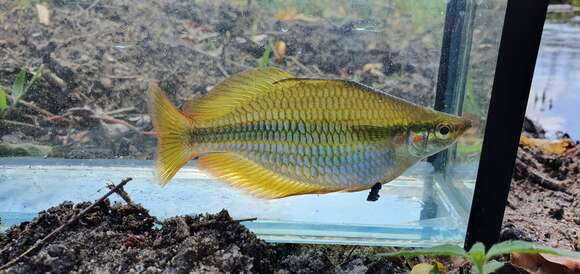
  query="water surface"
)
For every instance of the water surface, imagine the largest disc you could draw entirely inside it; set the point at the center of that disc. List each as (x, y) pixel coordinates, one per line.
(555, 94)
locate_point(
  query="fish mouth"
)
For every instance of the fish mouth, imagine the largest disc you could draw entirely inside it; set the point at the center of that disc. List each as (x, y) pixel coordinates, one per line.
(465, 125)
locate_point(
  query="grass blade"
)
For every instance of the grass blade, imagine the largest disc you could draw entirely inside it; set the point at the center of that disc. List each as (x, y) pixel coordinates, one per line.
(520, 247)
(35, 75)
(441, 250)
(265, 60)
(3, 102)
(19, 84)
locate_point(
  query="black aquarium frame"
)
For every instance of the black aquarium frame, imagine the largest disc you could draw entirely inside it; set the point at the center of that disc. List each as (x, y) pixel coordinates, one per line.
(518, 50)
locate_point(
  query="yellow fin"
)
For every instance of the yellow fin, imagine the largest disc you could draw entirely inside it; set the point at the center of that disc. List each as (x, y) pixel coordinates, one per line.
(253, 178)
(234, 92)
(349, 88)
(172, 132)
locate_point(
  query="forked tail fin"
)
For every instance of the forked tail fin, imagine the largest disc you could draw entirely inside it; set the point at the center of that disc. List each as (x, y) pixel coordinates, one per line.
(172, 127)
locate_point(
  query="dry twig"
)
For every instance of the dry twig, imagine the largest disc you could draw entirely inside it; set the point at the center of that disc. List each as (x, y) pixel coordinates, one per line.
(222, 70)
(206, 223)
(302, 66)
(16, 123)
(33, 107)
(121, 192)
(536, 176)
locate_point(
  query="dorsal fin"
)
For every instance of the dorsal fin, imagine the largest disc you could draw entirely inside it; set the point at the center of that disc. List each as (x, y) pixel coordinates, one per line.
(233, 92)
(346, 86)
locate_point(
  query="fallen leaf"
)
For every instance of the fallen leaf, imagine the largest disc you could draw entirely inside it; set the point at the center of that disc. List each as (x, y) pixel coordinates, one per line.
(426, 268)
(549, 146)
(287, 14)
(374, 68)
(422, 268)
(306, 18)
(279, 49)
(259, 38)
(43, 14)
(571, 263)
(546, 264)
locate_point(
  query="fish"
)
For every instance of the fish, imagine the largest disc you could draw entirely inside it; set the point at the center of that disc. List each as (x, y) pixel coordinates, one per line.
(274, 135)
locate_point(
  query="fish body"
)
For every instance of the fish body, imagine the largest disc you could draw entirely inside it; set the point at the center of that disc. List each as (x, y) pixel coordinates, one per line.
(275, 135)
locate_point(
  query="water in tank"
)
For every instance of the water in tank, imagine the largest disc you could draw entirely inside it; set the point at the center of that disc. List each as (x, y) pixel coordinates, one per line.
(270, 101)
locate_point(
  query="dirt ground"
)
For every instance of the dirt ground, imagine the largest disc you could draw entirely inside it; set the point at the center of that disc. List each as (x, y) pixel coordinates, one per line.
(124, 238)
(544, 203)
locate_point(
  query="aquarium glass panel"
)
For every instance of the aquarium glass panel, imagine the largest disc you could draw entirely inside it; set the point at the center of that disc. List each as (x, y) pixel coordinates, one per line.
(300, 161)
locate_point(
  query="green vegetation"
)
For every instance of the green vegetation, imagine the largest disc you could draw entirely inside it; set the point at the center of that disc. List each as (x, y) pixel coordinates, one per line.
(472, 104)
(426, 14)
(482, 261)
(19, 89)
(265, 59)
(3, 102)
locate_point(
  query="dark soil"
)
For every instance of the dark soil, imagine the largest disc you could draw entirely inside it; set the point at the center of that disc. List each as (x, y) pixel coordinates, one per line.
(122, 238)
(544, 200)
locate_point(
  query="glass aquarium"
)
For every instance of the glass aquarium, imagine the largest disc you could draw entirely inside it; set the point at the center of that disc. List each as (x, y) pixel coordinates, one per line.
(75, 74)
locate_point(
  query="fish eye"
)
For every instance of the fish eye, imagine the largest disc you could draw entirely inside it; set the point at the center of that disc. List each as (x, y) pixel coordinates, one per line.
(442, 131)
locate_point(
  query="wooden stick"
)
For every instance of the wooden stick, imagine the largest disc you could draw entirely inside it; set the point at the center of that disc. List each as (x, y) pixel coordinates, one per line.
(33, 107)
(75, 218)
(111, 120)
(536, 176)
(206, 223)
(222, 70)
(19, 124)
(121, 110)
(302, 66)
(121, 192)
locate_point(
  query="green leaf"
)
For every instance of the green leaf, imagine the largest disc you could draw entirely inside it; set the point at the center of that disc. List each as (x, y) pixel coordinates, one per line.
(3, 102)
(265, 60)
(440, 250)
(492, 266)
(476, 255)
(35, 75)
(477, 251)
(520, 247)
(435, 270)
(19, 84)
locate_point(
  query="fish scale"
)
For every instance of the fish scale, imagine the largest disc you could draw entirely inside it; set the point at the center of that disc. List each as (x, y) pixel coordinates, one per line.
(332, 163)
(276, 136)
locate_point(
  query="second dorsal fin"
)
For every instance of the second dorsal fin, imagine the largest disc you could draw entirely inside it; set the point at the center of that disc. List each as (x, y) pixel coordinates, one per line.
(233, 92)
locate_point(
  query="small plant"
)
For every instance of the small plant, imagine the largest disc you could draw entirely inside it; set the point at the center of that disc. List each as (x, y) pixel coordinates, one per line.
(265, 60)
(19, 88)
(3, 102)
(482, 261)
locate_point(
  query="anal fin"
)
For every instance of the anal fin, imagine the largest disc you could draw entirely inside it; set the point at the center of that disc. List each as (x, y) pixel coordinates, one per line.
(255, 179)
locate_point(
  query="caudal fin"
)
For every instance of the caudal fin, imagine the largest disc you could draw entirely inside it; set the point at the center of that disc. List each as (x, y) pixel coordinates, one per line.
(172, 127)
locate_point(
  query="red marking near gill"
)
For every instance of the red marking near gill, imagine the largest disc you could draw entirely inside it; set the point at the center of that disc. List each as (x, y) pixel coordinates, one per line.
(417, 139)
